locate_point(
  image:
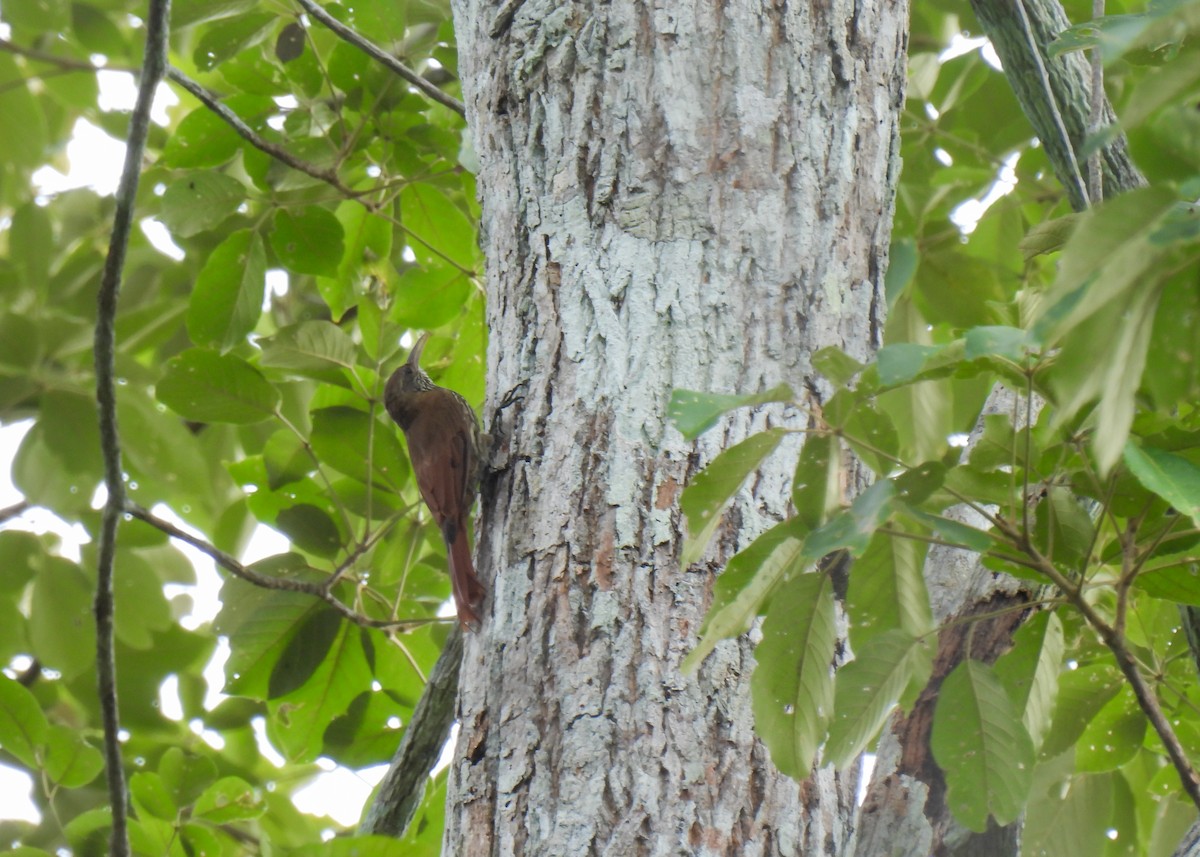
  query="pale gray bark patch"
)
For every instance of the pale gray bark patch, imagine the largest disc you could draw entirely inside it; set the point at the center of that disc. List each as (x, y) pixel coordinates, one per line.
(694, 196)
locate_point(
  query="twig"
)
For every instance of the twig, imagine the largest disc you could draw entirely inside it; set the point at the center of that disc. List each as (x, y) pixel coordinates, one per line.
(267, 581)
(1095, 111)
(153, 68)
(210, 100)
(400, 793)
(1074, 178)
(14, 511)
(380, 55)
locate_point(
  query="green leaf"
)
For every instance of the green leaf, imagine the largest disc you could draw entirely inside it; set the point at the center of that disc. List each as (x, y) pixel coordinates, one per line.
(694, 413)
(186, 775)
(315, 349)
(1106, 258)
(1013, 343)
(887, 590)
(902, 362)
(353, 443)
(310, 242)
(1049, 236)
(23, 726)
(817, 486)
(438, 229)
(982, 747)
(1074, 823)
(61, 626)
(1174, 578)
(1030, 670)
(429, 296)
(229, 38)
(17, 554)
(1113, 736)
(792, 686)
(853, 529)
(836, 365)
(23, 137)
(204, 386)
(869, 687)
(744, 585)
(311, 529)
(1082, 693)
(286, 459)
(151, 796)
(31, 244)
(712, 489)
(199, 201)
(301, 718)
(304, 653)
(1170, 476)
(202, 139)
(229, 799)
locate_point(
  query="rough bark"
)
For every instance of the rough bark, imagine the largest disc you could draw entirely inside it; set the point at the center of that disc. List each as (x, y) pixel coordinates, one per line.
(698, 196)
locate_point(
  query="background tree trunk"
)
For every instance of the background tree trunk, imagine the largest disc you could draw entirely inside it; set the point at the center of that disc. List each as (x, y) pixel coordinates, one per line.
(695, 196)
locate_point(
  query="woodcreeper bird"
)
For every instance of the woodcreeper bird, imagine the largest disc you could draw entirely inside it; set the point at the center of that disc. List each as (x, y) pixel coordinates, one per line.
(444, 446)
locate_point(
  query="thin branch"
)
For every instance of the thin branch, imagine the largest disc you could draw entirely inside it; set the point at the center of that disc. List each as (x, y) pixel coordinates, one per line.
(383, 57)
(16, 510)
(267, 581)
(153, 68)
(210, 100)
(1095, 112)
(399, 794)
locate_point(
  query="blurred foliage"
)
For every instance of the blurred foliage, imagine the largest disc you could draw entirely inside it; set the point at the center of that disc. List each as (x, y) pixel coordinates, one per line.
(1092, 323)
(251, 372)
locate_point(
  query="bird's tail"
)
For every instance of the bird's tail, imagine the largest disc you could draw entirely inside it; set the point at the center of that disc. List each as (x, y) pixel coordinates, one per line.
(468, 589)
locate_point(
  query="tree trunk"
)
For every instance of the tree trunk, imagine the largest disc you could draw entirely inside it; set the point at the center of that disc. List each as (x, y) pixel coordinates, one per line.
(698, 196)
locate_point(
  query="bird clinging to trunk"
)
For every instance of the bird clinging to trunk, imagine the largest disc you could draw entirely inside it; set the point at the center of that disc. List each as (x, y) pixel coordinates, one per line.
(444, 446)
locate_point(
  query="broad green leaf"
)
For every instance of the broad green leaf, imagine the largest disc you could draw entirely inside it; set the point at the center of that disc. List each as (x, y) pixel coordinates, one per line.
(982, 747)
(151, 796)
(353, 443)
(817, 486)
(1049, 236)
(1174, 578)
(300, 718)
(23, 136)
(260, 623)
(185, 774)
(792, 686)
(1073, 824)
(1030, 670)
(61, 626)
(310, 528)
(316, 349)
(1113, 736)
(693, 413)
(140, 604)
(18, 553)
(1013, 343)
(429, 296)
(1170, 476)
(229, 799)
(712, 489)
(438, 230)
(836, 365)
(31, 245)
(887, 590)
(286, 459)
(225, 40)
(199, 201)
(744, 585)
(1063, 530)
(902, 362)
(23, 726)
(1082, 692)
(204, 386)
(308, 242)
(202, 139)
(304, 653)
(1106, 259)
(853, 529)
(869, 687)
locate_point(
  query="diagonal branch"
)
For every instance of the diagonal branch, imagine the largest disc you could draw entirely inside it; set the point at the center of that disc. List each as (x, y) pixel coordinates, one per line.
(153, 68)
(383, 57)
